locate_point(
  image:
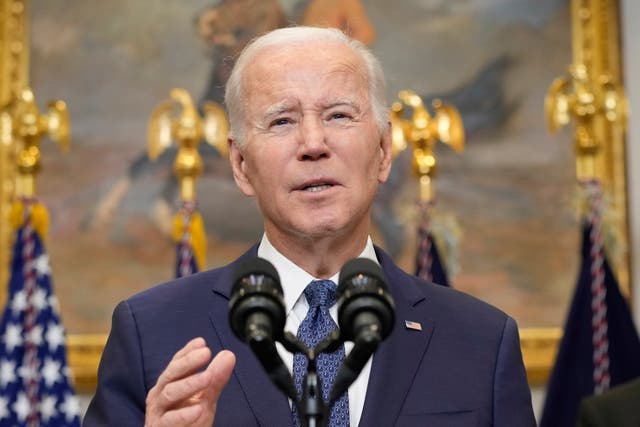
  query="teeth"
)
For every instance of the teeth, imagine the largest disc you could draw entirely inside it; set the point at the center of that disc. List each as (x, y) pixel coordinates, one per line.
(316, 188)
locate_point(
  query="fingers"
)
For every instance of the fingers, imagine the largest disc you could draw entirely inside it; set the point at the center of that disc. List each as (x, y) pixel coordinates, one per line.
(202, 411)
(187, 360)
(183, 396)
(180, 390)
(190, 346)
(186, 416)
(220, 370)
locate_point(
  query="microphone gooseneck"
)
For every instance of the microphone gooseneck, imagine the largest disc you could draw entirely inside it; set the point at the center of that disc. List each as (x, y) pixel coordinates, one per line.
(257, 316)
(366, 315)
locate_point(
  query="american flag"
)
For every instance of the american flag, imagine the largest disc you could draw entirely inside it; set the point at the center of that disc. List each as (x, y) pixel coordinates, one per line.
(185, 261)
(186, 264)
(35, 388)
(429, 265)
(600, 347)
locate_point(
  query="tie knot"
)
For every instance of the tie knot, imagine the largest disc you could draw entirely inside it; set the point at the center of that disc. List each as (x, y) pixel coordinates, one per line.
(320, 293)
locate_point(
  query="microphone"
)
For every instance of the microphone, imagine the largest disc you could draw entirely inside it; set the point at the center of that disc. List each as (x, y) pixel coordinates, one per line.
(256, 307)
(257, 316)
(366, 314)
(365, 306)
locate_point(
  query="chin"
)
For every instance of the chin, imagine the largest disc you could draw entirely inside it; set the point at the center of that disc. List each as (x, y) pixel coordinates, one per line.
(319, 228)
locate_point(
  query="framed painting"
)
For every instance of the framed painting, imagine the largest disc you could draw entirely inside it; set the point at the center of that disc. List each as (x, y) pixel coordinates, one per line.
(505, 204)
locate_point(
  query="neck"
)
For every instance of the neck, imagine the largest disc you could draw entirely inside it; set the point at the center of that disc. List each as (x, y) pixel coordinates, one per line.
(322, 257)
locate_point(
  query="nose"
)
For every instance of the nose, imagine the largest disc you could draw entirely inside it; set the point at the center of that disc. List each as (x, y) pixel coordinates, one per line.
(313, 142)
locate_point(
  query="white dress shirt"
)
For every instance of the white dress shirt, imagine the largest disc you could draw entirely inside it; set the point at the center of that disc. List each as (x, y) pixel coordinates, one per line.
(294, 280)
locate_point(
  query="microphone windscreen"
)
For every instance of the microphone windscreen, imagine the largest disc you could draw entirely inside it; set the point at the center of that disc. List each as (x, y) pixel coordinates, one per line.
(256, 266)
(360, 266)
(256, 293)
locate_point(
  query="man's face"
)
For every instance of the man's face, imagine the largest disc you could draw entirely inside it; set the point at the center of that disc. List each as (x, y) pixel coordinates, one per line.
(313, 154)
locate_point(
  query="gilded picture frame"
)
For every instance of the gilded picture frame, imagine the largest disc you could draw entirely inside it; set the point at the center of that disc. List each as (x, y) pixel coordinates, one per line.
(539, 343)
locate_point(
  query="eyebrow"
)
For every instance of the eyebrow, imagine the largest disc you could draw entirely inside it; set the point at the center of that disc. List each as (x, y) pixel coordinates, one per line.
(277, 109)
(286, 107)
(342, 102)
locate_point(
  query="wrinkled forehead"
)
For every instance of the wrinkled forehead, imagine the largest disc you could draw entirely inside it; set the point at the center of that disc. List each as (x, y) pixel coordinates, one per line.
(294, 61)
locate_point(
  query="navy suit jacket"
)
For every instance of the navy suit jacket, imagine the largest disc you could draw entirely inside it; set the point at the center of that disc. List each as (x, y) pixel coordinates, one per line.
(464, 368)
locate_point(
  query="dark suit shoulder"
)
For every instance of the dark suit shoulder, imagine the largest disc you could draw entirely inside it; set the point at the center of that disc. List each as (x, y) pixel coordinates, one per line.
(471, 366)
(178, 289)
(458, 299)
(464, 316)
(450, 304)
(187, 291)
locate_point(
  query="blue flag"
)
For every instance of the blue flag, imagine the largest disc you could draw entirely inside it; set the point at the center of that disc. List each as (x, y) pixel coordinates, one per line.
(35, 388)
(185, 261)
(599, 349)
(429, 266)
(190, 238)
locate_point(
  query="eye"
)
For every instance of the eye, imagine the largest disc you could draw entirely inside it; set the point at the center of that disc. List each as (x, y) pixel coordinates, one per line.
(281, 121)
(340, 115)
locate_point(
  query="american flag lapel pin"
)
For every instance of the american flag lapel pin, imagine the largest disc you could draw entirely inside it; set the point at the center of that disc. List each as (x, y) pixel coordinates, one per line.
(416, 326)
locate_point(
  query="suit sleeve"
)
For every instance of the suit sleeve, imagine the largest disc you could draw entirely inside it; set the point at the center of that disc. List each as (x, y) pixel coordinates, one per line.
(512, 397)
(588, 415)
(121, 393)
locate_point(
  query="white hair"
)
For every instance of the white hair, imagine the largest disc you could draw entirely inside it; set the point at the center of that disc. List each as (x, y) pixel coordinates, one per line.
(233, 96)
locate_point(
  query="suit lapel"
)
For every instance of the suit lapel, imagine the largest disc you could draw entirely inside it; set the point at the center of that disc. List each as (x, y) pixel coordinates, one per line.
(268, 403)
(395, 363)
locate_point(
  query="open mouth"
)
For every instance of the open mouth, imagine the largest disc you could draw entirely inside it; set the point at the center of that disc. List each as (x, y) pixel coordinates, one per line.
(314, 188)
(317, 185)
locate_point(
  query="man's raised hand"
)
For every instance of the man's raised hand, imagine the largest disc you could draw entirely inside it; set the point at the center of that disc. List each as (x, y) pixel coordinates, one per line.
(184, 395)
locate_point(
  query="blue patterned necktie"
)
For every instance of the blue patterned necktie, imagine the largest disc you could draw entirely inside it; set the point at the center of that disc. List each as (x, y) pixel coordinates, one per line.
(321, 294)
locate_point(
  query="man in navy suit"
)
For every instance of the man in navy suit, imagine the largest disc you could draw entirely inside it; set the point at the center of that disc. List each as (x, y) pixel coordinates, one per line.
(310, 140)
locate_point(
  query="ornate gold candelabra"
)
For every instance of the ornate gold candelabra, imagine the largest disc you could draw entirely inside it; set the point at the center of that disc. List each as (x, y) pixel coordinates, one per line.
(421, 132)
(188, 129)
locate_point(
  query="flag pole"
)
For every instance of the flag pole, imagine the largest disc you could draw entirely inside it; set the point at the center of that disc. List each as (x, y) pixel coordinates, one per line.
(36, 388)
(421, 132)
(600, 347)
(188, 130)
(591, 97)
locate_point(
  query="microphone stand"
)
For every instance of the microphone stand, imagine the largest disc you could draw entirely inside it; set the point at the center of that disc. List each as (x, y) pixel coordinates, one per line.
(312, 409)
(257, 317)
(364, 345)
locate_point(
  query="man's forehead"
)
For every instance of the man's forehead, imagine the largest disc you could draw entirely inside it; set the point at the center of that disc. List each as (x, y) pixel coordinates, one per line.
(332, 57)
(336, 74)
(294, 77)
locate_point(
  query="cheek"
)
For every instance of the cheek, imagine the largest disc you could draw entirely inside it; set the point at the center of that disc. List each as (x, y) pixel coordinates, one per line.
(266, 175)
(371, 162)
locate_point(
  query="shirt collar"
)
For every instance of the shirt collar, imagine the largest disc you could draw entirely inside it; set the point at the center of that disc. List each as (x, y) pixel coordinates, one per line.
(293, 278)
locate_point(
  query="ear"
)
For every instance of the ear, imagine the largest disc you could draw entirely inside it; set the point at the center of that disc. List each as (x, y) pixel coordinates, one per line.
(239, 165)
(385, 154)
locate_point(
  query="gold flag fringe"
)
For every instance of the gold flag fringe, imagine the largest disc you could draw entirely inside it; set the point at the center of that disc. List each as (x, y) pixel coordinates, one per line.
(196, 233)
(35, 212)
